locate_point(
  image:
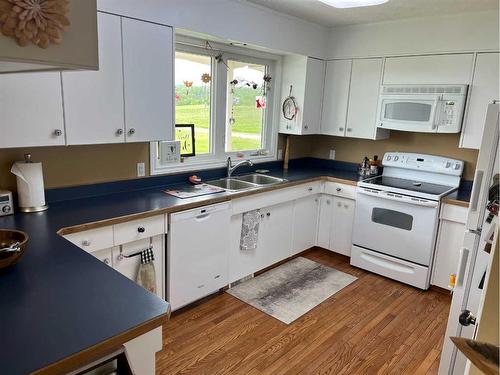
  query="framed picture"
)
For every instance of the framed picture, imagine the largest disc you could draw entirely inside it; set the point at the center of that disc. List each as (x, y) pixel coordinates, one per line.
(185, 134)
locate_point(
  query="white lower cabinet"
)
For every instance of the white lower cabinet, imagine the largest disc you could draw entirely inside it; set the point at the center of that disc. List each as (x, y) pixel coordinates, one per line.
(449, 242)
(273, 245)
(105, 256)
(336, 224)
(305, 223)
(126, 259)
(197, 253)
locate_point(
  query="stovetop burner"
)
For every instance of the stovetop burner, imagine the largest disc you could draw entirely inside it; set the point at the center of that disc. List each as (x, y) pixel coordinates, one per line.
(410, 185)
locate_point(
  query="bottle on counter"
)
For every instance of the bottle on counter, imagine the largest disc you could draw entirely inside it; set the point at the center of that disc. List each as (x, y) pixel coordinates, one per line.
(364, 168)
(374, 165)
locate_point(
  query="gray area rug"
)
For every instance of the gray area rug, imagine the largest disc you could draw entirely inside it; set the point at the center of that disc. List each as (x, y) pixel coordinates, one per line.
(292, 289)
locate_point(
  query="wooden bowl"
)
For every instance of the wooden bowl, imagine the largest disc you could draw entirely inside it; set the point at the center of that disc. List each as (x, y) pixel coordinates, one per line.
(7, 238)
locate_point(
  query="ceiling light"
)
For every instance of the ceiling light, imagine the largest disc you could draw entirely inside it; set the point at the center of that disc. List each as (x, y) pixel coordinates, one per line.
(353, 3)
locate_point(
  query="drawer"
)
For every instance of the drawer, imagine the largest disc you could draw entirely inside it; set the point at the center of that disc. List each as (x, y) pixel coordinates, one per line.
(93, 239)
(340, 190)
(454, 213)
(274, 197)
(138, 229)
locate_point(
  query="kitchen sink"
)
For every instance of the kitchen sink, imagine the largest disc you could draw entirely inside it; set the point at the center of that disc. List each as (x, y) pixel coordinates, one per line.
(259, 179)
(232, 184)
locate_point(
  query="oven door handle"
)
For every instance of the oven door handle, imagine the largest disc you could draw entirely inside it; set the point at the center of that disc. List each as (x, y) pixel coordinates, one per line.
(399, 198)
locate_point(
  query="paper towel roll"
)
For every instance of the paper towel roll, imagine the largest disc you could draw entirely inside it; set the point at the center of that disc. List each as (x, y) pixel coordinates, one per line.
(30, 189)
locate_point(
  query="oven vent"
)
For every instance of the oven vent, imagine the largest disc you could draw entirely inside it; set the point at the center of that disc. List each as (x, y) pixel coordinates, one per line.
(424, 89)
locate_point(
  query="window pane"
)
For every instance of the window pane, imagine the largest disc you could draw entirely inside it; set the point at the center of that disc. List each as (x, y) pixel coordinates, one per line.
(246, 106)
(193, 81)
(392, 218)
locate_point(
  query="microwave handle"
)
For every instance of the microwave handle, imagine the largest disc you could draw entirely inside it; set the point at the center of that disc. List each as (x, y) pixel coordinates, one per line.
(437, 111)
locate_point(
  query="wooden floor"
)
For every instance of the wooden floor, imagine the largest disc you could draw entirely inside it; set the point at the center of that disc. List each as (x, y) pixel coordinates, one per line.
(373, 326)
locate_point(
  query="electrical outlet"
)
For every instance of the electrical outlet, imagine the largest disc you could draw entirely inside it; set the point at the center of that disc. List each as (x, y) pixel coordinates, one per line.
(280, 154)
(332, 154)
(141, 169)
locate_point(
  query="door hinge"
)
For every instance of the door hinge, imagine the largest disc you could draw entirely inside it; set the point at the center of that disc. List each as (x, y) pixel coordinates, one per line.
(475, 231)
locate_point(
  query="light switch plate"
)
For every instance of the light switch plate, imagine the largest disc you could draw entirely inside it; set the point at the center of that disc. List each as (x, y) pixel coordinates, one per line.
(141, 169)
(332, 154)
(170, 152)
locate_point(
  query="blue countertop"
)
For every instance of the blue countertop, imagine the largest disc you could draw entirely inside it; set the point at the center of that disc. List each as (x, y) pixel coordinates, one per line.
(59, 300)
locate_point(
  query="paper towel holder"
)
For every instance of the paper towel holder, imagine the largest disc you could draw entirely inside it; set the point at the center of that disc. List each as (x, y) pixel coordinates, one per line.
(27, 160)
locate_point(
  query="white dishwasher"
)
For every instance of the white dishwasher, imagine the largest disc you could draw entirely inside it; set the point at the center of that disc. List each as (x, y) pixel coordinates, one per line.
(197, 252)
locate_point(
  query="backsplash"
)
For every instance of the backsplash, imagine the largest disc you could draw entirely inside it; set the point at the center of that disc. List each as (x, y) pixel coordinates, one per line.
(353, 150)
(79, 165)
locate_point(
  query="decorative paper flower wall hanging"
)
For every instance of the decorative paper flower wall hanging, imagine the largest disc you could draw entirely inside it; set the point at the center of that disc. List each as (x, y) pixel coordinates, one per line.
(40, 22)
(206, 78)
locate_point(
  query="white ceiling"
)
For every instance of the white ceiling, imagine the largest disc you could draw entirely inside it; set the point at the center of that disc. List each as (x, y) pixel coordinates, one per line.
(317, 12)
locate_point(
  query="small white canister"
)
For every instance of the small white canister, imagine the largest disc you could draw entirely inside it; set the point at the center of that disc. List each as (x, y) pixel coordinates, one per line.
(30, 188)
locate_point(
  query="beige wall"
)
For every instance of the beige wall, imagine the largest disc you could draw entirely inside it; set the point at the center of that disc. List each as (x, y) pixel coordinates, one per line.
(77, 165)
(353, 150)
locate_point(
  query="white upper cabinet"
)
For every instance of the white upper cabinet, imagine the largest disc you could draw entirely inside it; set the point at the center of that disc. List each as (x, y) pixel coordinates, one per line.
(366, 77)
(336, 97)
(77, 50)
(305, 76)
(31, 111)
(433, 69)
(483, 90)
(148, 71)
(93, 101)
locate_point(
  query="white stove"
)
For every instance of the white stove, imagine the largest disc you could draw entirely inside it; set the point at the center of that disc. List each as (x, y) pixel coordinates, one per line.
(396, 216)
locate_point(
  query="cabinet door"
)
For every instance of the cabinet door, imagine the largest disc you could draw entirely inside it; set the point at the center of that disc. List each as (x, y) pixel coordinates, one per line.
(343, 218)
(275, 235)
(129, 266)
(93, 100)
(105, 256)
(148, 73)
(363, 99)
(434, 69)
(241, 262)
(305, 221)
(483, 91)
(336, 97)
(449, 243)
(313, 99)
(325, 221)
(31, 110)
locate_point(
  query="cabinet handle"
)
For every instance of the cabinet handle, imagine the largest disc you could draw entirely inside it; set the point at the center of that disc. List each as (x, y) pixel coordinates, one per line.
(262, 216)
(349, 129)
(346, 206)
(316, 200)
(268, 214)
(119, 131)
(58, 132)
(338, 189)
(306, 127)
(86, 243)
(310, 189)
(328, 201)
(341, 129)
(141, 229)
(131, 131)
(201, 286)
(339, 204)
(106, 261)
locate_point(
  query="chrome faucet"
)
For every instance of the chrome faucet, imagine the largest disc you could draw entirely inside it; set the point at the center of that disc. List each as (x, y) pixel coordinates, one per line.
(231, 168)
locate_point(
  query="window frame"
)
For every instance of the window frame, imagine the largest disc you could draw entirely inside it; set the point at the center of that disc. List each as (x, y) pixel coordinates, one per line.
(217, 156)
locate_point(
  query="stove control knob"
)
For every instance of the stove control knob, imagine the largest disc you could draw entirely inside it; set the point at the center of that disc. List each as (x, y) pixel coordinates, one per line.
(396, 158)
(457, 166)
(6, 209)
(389, 157)
(448, 164)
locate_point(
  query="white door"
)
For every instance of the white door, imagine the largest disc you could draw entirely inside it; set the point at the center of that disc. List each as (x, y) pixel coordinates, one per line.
(325, 221)
(241, 262)
(93, 100)
(275, 235)
(126, 259)
(313, 98)
(363, 98)
(31, 110)
(305, 221)
(336, 97)
(342, 223)
(148, 73)
(484, 90)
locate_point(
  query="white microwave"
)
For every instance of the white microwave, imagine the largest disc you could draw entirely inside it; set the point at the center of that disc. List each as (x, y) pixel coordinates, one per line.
(422, 108)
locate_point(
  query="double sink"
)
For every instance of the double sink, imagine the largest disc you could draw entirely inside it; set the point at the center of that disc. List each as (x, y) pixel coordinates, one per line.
(246, 182)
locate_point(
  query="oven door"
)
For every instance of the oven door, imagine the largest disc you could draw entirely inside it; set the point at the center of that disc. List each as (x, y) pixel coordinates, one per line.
(400, 226)
(409, 113)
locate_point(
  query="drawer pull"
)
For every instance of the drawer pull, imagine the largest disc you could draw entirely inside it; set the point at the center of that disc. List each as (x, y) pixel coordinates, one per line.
(141, 229)
(201, 286)
(338, 189)
(106, 261)
(310, 189)
(86, 243)
(268, 214)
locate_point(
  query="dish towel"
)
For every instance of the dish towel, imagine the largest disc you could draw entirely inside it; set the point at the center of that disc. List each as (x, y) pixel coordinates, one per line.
(250, 230)
(146, 275)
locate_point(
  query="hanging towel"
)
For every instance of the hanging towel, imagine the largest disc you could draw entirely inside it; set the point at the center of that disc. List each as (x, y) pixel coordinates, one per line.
(146, 275)
(250, 230)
